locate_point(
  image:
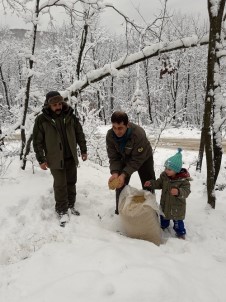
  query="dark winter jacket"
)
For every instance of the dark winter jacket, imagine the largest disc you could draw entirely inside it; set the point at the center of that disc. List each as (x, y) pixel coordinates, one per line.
(52, 142)
(136, 150)
(174, 207)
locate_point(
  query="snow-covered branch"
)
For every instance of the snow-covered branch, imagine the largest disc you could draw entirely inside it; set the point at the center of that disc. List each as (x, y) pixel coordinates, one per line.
(146, 53)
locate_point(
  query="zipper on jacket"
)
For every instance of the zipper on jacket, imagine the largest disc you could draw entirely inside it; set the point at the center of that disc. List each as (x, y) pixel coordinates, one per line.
(60, 146)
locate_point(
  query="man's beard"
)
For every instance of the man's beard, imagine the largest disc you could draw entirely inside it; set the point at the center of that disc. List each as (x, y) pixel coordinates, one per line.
(58, 111)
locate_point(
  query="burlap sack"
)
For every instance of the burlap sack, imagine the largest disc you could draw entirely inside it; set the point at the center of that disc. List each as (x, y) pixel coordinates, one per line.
(139, 211)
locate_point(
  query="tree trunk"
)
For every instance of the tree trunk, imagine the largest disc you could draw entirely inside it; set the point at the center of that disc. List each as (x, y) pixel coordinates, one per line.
(148, 90)
(27, 90)
(174, 89)
(186, 95)
(112, 98)
(4, 87)
(210, 99)
(218, 152)
(99, 105)
(27, 151)
(82, 47)
(201, 151)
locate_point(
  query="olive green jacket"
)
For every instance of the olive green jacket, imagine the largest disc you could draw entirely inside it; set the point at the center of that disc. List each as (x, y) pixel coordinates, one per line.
(173, 207)
(137, 150)
(47, 142)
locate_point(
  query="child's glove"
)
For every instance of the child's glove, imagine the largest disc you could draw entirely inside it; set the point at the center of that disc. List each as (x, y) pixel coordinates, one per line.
(147, 183)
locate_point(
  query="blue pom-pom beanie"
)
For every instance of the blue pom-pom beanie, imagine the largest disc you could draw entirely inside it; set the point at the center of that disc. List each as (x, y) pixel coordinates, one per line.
(174, 162)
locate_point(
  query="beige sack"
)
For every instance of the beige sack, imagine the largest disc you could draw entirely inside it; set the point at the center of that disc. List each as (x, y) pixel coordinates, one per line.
(139, 211)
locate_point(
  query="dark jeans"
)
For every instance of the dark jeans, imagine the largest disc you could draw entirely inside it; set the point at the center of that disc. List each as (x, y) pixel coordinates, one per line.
(64, 186)
(178, 225)
(146, 172)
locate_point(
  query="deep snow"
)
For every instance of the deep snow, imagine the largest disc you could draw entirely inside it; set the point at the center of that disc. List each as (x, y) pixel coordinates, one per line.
(89, 259)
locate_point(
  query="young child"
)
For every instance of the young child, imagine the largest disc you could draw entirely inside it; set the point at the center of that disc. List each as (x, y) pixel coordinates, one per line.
(175, 185)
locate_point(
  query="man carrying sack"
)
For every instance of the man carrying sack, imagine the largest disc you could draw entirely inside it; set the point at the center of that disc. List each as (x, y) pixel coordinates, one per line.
(128, 151)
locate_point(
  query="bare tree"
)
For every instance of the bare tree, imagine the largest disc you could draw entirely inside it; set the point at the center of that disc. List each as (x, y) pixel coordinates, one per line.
(210, 133)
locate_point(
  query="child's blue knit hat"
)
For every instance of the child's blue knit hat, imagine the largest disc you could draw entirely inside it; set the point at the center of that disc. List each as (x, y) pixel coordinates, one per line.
(174, 162)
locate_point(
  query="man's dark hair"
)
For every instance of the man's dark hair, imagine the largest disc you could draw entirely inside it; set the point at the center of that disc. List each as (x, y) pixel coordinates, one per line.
(120, 117)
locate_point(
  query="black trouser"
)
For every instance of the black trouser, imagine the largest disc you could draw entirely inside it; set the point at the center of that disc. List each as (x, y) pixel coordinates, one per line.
(146, 172)
(64, 186)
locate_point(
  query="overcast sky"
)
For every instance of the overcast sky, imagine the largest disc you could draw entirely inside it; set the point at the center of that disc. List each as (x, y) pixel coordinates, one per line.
(147, 8)
(150, 8)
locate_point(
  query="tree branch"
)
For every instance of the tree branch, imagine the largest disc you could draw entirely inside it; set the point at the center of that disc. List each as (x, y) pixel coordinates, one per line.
(146, 53)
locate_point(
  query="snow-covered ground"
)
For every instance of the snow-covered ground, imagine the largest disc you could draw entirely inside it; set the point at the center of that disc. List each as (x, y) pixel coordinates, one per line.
(89, 259)
(168, 132)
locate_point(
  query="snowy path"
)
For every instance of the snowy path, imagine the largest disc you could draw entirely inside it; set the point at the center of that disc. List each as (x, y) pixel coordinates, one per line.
(89, 260)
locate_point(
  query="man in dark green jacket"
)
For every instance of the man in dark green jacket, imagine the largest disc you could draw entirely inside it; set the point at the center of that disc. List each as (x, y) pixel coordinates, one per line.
(129, 151)
(56, 134)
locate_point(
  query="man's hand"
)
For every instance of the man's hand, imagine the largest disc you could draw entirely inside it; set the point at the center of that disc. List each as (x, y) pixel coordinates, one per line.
(44, 166)
(84, 157)
(113, 176)
(121, 180)
(113, 181)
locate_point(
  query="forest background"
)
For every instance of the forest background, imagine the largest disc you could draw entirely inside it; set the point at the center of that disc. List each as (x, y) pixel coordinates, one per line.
(165, 72)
